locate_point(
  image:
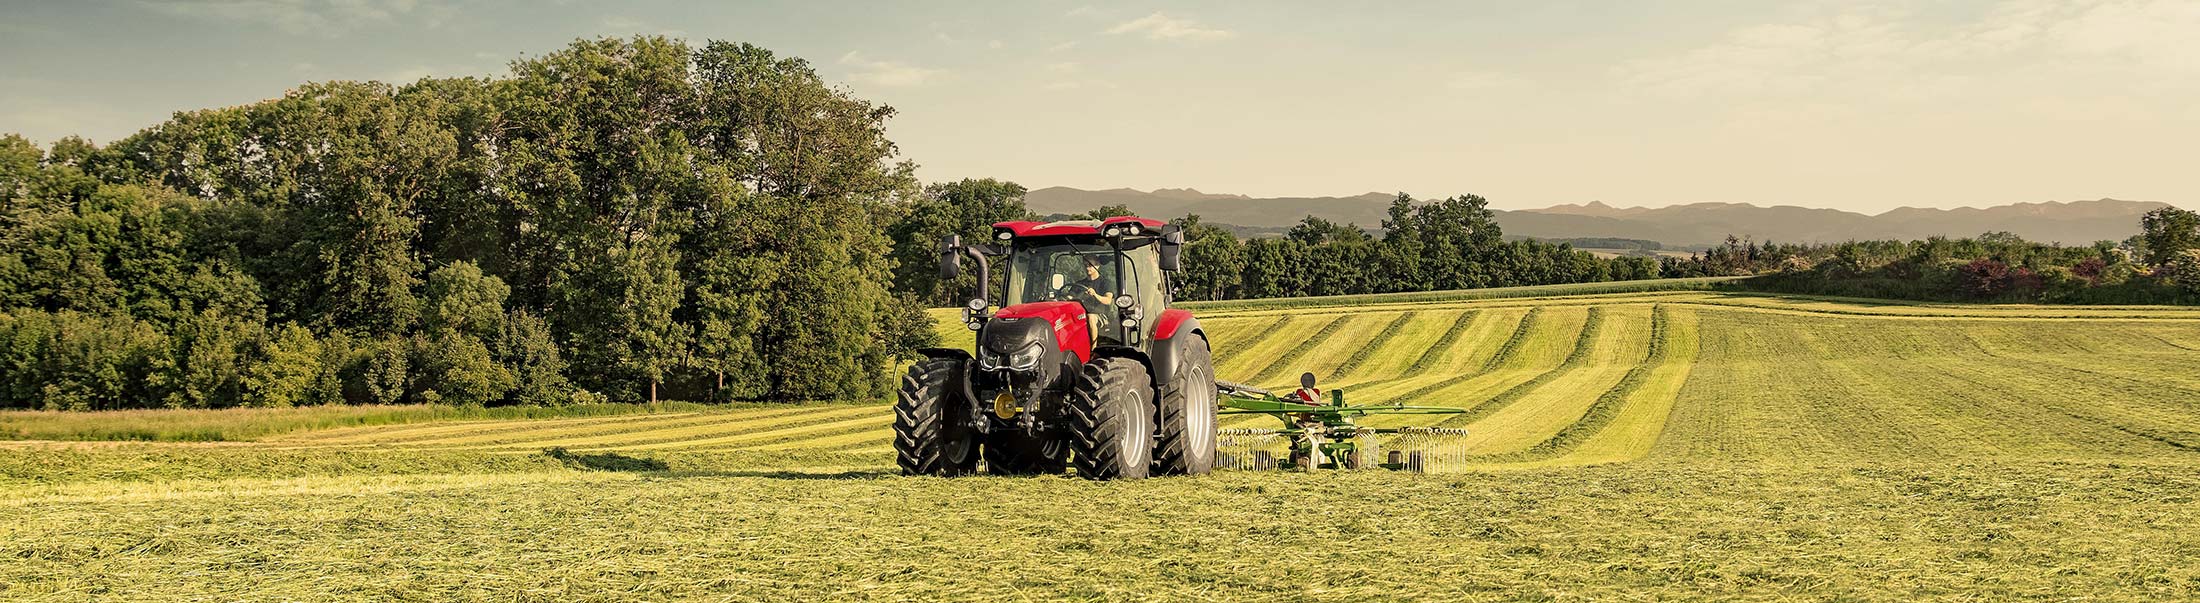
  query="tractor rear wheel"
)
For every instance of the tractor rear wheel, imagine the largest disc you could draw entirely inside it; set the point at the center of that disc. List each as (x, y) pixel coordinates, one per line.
(1024, 454)
(1111, 420)
(1187, 445)
(926, 442)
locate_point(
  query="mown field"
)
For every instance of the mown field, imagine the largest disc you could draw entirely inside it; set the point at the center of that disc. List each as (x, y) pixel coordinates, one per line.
(1625, 445)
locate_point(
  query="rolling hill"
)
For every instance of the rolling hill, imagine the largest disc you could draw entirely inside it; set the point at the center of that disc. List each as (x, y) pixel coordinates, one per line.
(1690, 225)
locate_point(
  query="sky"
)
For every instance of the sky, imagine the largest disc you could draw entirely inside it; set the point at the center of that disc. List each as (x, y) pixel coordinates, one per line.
(1848, 105)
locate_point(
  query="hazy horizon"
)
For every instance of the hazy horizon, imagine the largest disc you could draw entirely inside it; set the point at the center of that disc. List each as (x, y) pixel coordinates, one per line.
(1807, 103)
(1620, 206)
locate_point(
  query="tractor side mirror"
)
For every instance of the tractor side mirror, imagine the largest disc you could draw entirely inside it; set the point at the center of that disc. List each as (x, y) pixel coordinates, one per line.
(951, 257)
(1172, 248)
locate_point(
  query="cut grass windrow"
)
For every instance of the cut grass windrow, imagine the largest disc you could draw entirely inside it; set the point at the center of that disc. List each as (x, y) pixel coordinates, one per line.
(1505, 353)
(1583, 343)
(733, 427)
(1235, 334)
(1512, 344)
(1608, 405)
(1284, 361)
(879, 421)
(1451, 336)
(1368, 350)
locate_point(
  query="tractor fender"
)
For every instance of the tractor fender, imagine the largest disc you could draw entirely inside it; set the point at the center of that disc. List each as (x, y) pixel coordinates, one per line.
(1176, 329)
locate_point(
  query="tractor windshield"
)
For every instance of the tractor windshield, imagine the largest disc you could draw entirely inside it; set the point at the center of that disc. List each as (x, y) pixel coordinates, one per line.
(1093, 275)
(1081, 273)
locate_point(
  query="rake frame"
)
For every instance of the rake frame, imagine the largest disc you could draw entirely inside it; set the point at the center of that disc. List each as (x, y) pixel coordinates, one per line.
(1324, 436)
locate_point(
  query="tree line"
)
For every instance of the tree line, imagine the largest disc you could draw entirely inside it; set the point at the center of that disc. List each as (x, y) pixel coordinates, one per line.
(2160, 265)
(1455, 243)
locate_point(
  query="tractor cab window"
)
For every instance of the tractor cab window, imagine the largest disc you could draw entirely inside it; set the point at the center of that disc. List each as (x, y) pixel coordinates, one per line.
(1085, 274)
(1093, 275)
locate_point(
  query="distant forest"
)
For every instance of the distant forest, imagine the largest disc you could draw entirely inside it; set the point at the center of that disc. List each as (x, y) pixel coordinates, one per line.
(637, 219)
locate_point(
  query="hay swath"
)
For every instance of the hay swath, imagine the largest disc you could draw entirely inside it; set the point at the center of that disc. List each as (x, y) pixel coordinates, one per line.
(1323, 436)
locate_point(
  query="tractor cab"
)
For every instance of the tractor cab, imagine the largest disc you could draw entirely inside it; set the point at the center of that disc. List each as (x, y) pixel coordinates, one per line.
(1084, 361)
(1116, 280)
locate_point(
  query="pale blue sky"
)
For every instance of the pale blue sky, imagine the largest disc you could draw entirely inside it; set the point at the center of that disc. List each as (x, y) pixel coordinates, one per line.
(1830, 104)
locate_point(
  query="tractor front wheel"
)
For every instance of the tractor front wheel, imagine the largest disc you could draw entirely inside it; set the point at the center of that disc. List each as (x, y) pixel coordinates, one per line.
(1187, 445)
(1111, 420)
(926, 440)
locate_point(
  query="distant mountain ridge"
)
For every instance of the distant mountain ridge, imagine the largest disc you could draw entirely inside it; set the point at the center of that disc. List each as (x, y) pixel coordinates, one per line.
(1689, 225)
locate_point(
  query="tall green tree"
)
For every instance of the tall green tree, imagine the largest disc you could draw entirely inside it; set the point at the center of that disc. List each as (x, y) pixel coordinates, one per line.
(967, 208)
(2168, 232)
(1213, 261)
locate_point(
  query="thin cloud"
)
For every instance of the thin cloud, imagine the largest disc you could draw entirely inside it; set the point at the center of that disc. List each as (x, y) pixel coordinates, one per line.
(1062, 46)
(893, 74)
(1160, 26)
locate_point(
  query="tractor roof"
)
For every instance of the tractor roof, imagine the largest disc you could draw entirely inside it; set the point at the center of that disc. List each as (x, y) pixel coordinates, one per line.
(1025, 228)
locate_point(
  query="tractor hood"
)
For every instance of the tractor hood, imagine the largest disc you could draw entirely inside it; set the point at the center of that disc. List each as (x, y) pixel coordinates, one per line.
(1064, 320)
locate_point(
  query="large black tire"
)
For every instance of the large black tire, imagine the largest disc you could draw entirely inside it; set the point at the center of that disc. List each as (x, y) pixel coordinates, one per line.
(1021, 454)
(1187, 444)
(1111, 420)
(924, 442)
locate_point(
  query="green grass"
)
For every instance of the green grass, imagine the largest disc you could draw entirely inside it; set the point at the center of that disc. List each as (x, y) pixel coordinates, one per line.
(196, 425)
(1631, 445)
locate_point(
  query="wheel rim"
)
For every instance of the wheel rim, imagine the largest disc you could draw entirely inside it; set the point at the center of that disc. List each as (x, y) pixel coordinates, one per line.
(1137, 445)
(1200, 420)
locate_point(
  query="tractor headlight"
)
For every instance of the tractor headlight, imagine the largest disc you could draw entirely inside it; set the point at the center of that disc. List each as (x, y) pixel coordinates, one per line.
(1004, 235)
(1021, 360)
(1130, 323)
(976, 324)
(1027, 358)
(976, 305)
(1114, 232)
(1125, 302)
(1132, 228)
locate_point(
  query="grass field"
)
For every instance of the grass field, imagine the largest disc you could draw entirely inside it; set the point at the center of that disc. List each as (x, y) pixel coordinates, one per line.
(1625, 445)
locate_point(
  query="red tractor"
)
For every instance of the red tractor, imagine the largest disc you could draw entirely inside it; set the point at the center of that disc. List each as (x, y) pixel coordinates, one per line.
(1084, 364)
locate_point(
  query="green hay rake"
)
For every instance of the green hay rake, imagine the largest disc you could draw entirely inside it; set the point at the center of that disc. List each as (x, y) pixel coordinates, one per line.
(1323, 436)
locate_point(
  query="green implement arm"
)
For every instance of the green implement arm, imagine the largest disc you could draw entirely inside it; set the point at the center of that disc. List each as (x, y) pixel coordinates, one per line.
(1323, 436)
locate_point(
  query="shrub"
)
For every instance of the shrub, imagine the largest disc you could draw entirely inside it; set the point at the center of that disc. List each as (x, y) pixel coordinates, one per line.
(1983, 278)
(2184, 271)
(2091, 269)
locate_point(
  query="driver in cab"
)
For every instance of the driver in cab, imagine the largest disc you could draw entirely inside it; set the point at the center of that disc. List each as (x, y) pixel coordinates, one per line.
(1093, 291)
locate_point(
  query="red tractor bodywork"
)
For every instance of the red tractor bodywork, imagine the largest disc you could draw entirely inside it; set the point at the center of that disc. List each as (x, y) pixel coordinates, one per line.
(1066, 319)
(1064, 358)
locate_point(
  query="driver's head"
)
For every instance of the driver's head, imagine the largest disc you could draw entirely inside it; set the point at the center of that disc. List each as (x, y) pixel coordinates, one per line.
(1306, 380)
(1092, 268)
